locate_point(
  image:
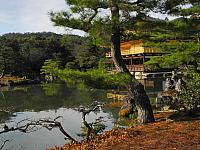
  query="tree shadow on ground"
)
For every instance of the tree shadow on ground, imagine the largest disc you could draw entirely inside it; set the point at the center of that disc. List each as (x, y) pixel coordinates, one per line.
(185, 115)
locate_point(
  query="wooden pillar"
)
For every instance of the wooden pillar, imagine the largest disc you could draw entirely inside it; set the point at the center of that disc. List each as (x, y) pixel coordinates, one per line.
(143, 58)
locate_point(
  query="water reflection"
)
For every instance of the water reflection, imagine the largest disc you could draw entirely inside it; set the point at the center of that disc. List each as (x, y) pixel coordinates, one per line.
(152, 86)
(52, 96)
(52, 100)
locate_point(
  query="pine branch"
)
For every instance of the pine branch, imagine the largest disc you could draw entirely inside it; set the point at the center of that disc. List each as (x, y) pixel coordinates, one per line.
(4, 143)
(30, 127)
(94, 15)
(96, 105)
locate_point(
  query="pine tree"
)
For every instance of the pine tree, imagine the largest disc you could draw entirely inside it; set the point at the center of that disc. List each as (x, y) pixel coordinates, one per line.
(179, 37)
(108, 20)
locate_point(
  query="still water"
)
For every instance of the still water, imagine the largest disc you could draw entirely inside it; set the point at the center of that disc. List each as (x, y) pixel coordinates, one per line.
(47, 101)
(50, 101)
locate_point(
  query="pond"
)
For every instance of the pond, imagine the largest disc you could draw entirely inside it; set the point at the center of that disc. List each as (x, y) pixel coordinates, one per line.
(50, 101)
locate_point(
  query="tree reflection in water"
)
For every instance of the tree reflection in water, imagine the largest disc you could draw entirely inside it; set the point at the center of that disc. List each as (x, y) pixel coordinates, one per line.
(52, 100)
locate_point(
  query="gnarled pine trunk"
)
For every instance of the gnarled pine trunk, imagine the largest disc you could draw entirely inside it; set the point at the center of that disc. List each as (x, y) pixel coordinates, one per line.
(2, 73)
(136, 89)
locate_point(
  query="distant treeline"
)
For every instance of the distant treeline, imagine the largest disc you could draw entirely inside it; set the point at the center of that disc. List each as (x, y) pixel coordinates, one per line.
(24, 54)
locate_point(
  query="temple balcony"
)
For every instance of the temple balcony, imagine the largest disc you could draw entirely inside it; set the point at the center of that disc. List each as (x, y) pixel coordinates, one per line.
(133, 47)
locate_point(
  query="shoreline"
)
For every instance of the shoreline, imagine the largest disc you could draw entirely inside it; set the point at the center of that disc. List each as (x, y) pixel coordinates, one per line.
(14, 81)
(166, 133)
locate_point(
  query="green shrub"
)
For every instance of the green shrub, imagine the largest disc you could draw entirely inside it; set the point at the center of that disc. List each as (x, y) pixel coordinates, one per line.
(94, 78)
(190, 93)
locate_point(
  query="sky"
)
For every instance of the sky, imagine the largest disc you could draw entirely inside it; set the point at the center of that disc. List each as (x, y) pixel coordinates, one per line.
(32, 16)
(29, 15)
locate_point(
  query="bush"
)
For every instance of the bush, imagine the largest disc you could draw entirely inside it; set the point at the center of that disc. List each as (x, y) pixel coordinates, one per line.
(190, 93)
(94, 78)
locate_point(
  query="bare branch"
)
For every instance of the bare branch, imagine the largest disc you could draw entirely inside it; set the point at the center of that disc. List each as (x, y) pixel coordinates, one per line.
(96, 105)
(34, 126)
(27, 125)
(4, 143)
(58, 118)
(86, 111)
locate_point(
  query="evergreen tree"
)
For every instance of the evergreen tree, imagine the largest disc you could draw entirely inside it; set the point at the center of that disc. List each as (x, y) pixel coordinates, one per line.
(29, 51)
(7, 62)
(109, 19)
(89, 55)
(179, 37)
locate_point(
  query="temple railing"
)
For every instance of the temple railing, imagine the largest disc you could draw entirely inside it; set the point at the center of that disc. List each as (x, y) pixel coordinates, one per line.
(135, 50)
(131, 68)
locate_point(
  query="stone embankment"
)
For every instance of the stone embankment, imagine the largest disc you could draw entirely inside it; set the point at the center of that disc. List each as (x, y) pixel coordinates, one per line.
(10, 81)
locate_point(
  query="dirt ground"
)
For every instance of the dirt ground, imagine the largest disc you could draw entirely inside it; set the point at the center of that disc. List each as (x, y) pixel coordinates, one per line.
(164, 134)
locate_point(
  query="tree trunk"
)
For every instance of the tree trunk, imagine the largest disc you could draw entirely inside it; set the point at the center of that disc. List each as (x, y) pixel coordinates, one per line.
(135, 89)
(141, 100)
(2, 74)
(198, 37)
(5, 67)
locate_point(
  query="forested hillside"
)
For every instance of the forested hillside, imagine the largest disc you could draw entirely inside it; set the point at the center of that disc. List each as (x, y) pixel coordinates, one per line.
(24, 54)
